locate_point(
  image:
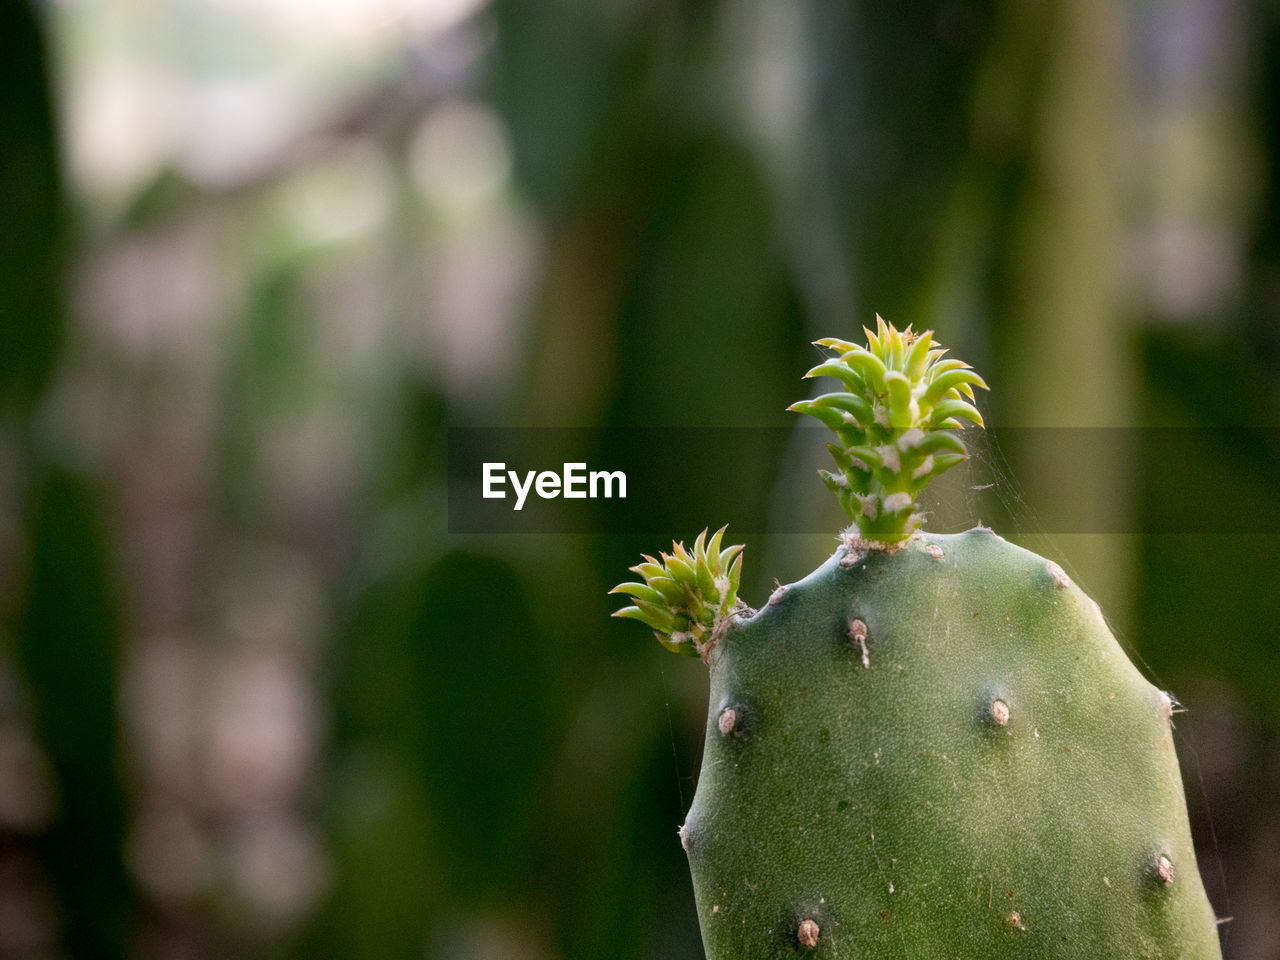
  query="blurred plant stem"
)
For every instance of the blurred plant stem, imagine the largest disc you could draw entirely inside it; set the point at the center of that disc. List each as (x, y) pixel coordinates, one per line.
(33, 238)
(65, 628)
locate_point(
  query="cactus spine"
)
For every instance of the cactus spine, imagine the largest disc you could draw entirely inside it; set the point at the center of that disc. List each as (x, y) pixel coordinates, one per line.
(932, 746)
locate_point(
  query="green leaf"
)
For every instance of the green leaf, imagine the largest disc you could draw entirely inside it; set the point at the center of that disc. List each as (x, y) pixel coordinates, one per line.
(834, 344)
(847, 403)
(941, 440)
(649, 570)
(672, 592)
(829, 416)
(839, 370)
(870, 367)
(945, 366)
(713, 551)
(942, 462)
(700, 547)
(634, 613)
(901, 412)
(707, 584)
(847, 502)
(641, 590)
(952, 380)
(728, 554)
(657, 616)
(735, 575)
(918, 357)
(681, 570)
(841, 457)
(950, 407)
(867, 454)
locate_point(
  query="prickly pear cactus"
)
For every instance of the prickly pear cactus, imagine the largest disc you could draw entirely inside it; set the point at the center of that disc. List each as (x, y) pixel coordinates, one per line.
(931, 747)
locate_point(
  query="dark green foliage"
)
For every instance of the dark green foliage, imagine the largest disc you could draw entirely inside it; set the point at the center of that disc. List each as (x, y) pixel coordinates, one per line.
(443, 728)
(708, 271)
(559, 77)
(67, 645)
(31, 211)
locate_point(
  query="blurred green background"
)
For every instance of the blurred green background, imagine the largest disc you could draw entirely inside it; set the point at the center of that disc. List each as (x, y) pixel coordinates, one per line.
(257, 255)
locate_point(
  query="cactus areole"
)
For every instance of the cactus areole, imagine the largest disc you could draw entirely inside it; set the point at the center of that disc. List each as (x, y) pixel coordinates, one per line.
(931, 747)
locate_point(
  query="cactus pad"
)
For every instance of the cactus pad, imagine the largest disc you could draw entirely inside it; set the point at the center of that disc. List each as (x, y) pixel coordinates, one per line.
(940, 752)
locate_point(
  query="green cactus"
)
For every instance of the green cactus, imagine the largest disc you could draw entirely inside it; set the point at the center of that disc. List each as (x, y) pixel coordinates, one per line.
(932, 746)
